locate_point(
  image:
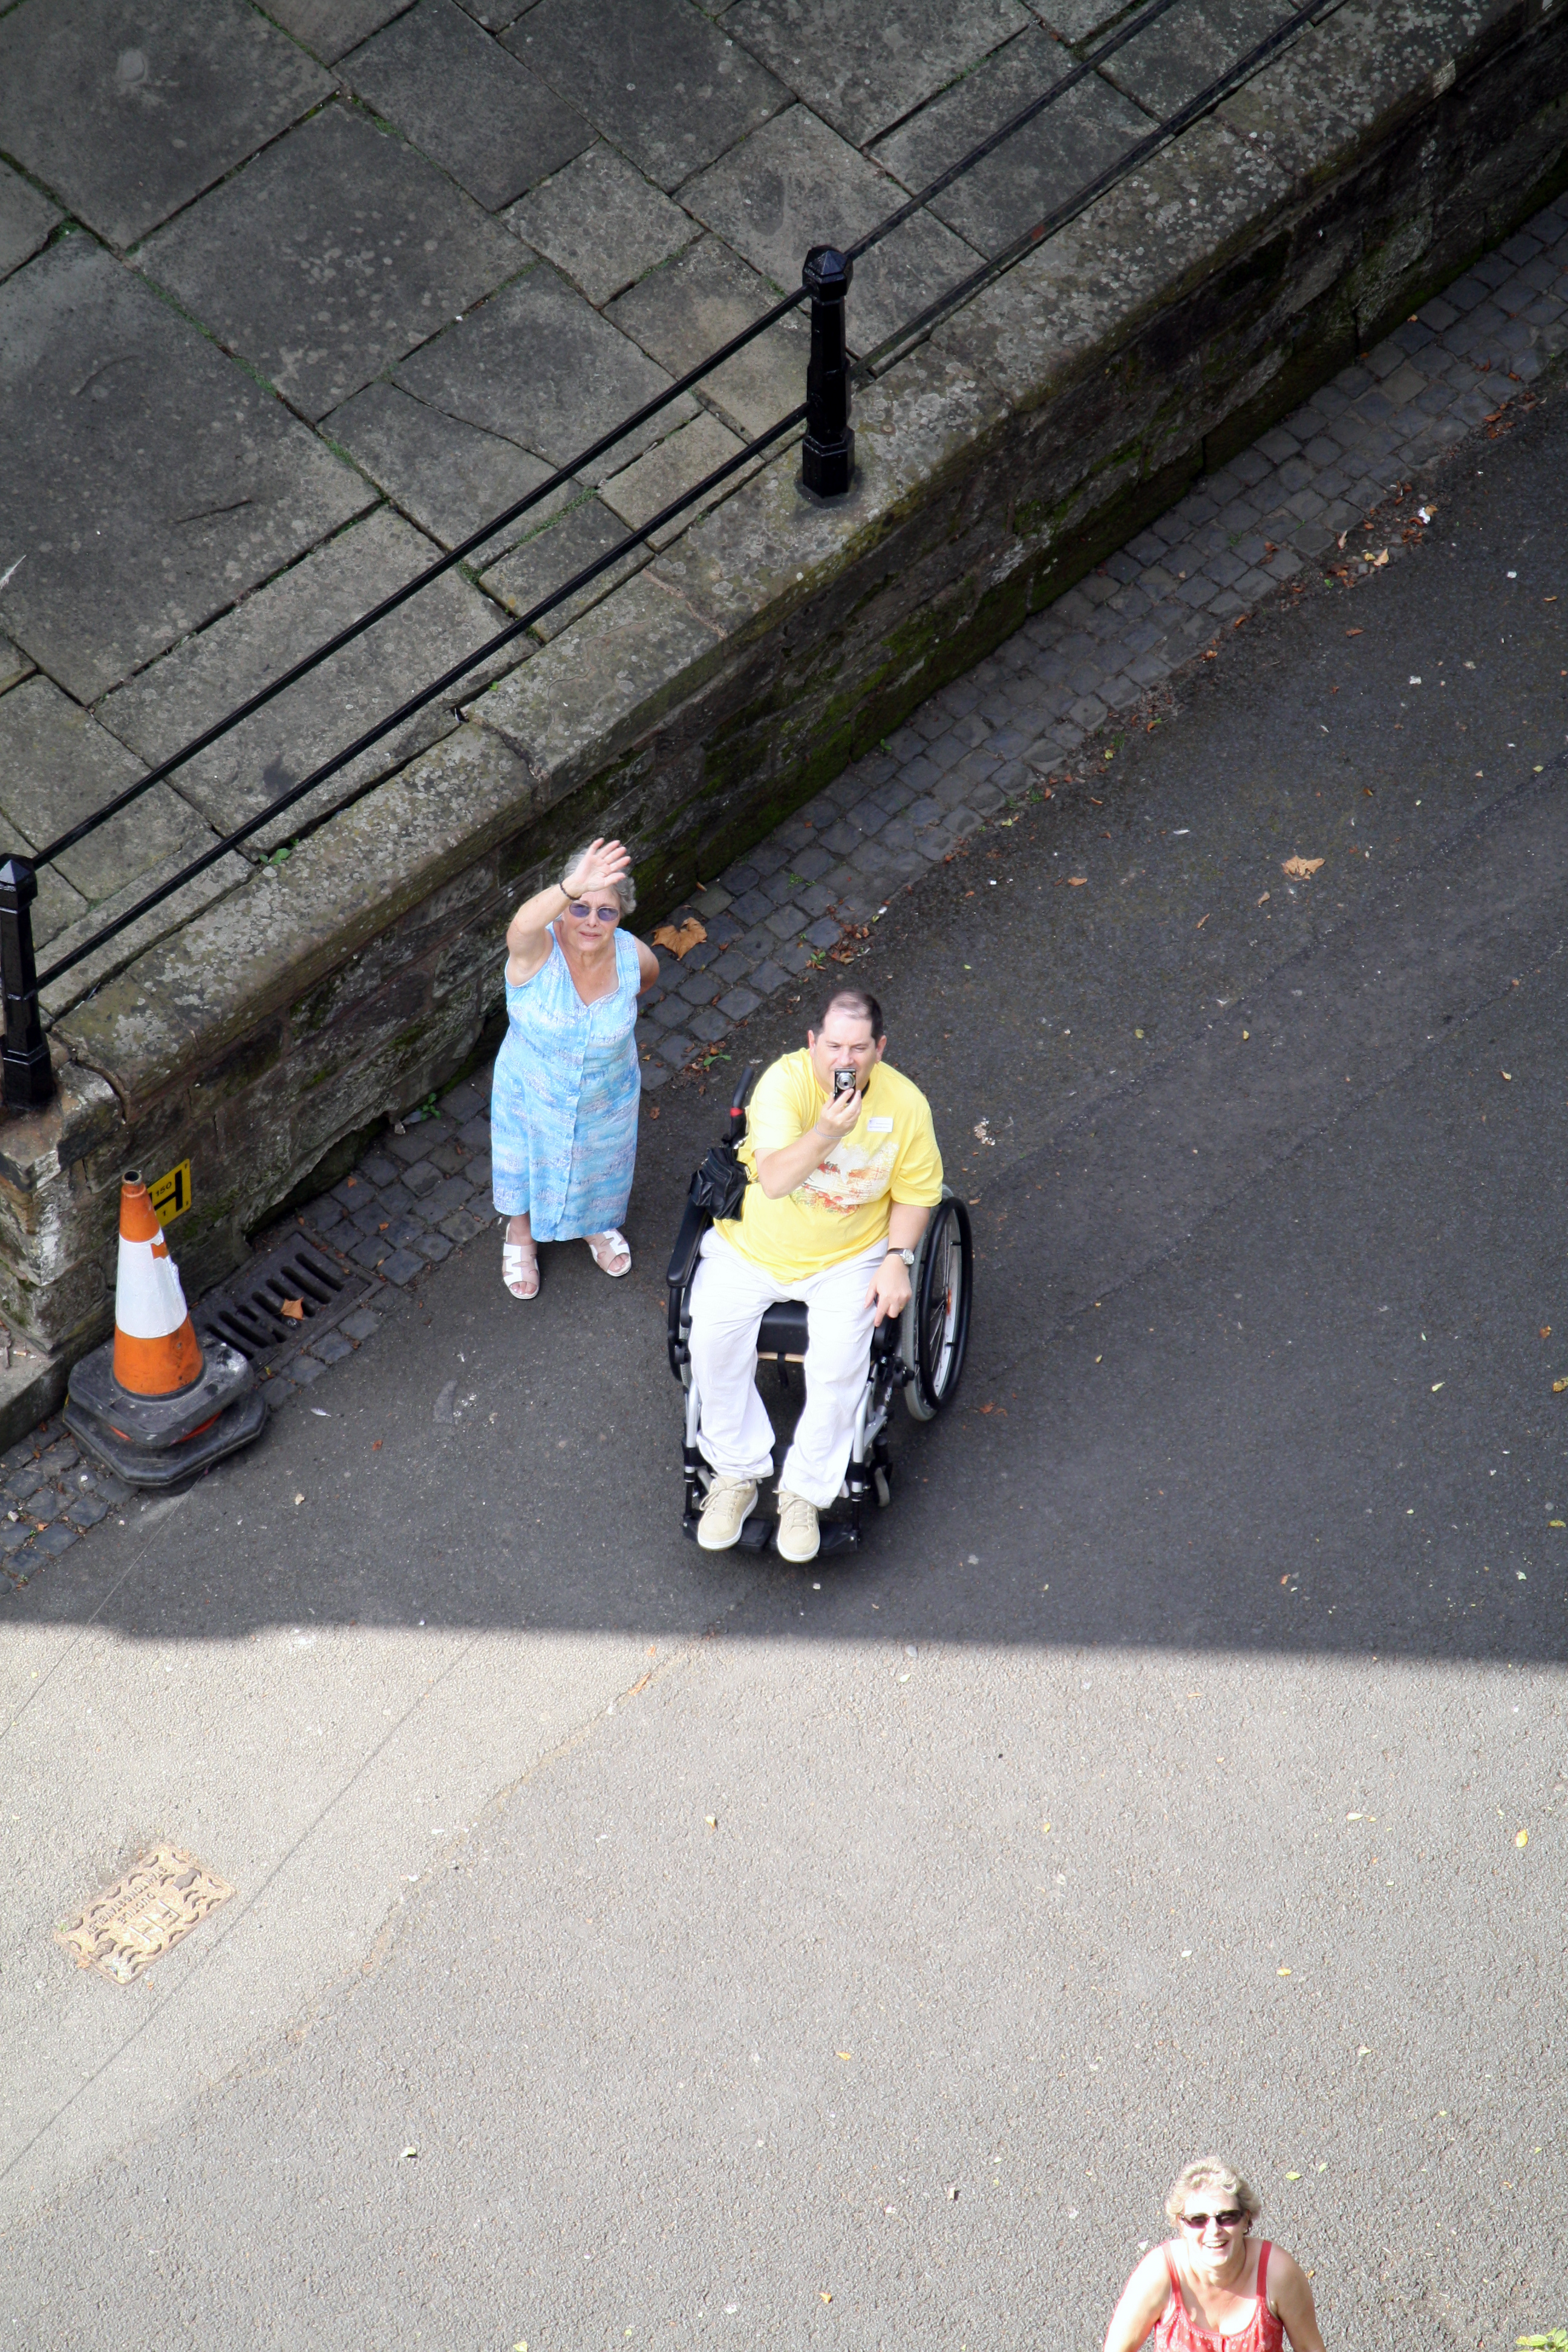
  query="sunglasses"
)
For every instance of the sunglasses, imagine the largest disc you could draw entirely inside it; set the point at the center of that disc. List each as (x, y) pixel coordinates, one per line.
(1226, 2220)
(606, 914)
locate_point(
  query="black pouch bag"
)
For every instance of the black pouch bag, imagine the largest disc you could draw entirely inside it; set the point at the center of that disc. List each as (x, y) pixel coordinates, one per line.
(719, 1186)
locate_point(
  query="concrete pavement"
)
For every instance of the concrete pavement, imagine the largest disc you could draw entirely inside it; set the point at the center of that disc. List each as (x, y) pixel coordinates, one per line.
(1236, 1565)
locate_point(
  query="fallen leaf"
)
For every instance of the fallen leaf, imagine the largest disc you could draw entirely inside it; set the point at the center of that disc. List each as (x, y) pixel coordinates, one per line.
(1299, 869)
(1523, 1837)
(1077, 881)
(711, 1820)
(680, 942)
(1436, 1385)
(298, 1500)
(1546, 1330)
(1558, 1386)
(295, 1307)
(844, 2054)
(376, 1445)
(1353, 633)
(1264, 900)
(1201, 921)
(1376, 561)
(1285, 1972)
(1211, 654)
(1509, 1075)
(407, 2153)
(823, 2296)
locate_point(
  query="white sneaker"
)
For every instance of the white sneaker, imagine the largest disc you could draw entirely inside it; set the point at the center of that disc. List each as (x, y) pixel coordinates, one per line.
(798, 1537)
(726, 1507)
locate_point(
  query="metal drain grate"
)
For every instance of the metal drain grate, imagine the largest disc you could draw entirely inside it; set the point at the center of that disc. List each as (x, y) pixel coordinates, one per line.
(250, 1311)
(136, 1921)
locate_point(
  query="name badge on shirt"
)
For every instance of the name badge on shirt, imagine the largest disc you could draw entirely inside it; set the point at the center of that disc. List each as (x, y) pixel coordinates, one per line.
(878, 1127)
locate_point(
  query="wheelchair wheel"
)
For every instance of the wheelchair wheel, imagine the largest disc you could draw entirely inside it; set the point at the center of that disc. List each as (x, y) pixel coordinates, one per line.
(935, 1335)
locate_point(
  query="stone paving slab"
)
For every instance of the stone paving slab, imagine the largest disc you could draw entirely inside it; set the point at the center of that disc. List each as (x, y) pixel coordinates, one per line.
(147, 482)
(1035, 169)
(27, 220)
(243, 773)
(448, 476)
(57, 765)
(601, 223)
(676, 466)
(861, 71)
(129, 115)
(1169, 64)
(478, 112)
(13, 664)
(663, 84)
(331, 256)
(619, 652)
(702, 299)
(329, 29)
(542, 563)
(541, 367)
(172, 914)
(796, 183)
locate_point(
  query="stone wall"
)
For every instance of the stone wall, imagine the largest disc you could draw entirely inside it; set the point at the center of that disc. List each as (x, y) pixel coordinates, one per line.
(701, 700)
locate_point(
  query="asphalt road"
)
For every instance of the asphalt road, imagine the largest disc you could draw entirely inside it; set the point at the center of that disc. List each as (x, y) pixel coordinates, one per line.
(631, 1946)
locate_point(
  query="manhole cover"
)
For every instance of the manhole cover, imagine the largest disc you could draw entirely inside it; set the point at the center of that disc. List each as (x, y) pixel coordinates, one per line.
(281, 1301)
(137, 1920)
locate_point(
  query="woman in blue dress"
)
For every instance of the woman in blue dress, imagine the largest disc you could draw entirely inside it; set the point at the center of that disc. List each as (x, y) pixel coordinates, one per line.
(563, 1106)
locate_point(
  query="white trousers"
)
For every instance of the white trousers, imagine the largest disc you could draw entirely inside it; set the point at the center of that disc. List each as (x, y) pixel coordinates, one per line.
(728, 1297)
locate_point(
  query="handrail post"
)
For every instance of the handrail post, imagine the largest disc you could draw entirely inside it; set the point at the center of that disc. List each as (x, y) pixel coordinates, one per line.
(827, 454)
(28, 1077)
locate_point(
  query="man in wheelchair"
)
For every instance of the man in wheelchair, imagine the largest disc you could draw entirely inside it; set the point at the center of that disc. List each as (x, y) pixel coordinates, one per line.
(844, 1172)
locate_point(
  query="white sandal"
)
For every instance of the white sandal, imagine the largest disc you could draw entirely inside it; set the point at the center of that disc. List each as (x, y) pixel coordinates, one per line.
(615, 1247)
(515, 1268)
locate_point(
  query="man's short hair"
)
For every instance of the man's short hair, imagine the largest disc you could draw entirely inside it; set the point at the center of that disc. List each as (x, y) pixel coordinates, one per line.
(861, 1000)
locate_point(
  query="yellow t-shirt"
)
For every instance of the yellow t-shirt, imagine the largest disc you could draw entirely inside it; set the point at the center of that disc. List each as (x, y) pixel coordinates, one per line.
(842, 1208)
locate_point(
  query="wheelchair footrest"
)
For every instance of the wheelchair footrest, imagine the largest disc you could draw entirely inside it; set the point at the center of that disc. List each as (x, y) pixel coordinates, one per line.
(755, 1535)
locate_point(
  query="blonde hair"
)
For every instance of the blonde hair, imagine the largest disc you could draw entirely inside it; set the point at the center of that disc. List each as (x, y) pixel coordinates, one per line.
(1212, 2172)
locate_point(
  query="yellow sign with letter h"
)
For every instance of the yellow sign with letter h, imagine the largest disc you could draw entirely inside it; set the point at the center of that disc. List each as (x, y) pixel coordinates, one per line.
(171, 1194)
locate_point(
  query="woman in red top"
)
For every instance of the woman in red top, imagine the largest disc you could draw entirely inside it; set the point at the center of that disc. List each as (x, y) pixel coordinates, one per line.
(1214, 2283)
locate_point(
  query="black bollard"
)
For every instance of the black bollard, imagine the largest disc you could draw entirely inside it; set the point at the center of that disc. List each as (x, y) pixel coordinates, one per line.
(28, 1076)
(827, 453)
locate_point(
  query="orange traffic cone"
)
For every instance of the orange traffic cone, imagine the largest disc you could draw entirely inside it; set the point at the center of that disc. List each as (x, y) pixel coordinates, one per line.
(156, 1351)
(153, 1404)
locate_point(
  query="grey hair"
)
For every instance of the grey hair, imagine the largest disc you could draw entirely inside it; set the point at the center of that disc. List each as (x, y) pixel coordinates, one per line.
(1212, 2172)
(626, 890)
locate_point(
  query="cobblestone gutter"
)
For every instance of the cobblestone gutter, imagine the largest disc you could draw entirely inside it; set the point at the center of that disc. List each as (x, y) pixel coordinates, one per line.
(1120, 375)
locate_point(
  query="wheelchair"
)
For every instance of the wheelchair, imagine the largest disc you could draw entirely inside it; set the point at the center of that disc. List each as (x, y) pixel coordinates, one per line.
(922, 1353)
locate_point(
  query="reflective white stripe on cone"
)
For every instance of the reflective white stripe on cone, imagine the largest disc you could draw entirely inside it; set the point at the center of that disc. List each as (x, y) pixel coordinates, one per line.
(156, 1351)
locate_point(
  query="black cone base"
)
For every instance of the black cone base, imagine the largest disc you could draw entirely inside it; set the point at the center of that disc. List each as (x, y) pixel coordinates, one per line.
(237, 1426)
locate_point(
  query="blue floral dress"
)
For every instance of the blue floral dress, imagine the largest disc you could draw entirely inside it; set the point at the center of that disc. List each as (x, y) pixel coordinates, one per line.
(563, 1104)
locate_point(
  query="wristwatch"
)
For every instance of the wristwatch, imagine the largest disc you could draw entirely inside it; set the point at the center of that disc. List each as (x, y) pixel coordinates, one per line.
(908, 1255)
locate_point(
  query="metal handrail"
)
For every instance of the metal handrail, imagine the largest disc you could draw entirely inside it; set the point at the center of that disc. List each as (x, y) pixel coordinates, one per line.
(26, 1076)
